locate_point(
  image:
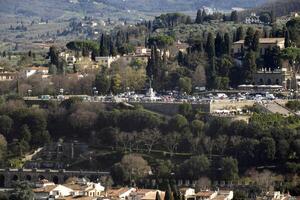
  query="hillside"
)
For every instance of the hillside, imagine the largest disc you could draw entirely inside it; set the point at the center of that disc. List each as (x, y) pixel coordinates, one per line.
(104, 8)
(280, 7)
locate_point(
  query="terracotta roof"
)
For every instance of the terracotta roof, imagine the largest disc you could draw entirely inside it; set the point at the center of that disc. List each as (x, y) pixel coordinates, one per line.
(152, 195)
(144, 191)
(76, 198)
(45, 189)
(184, 189)
(220, 197)
(264, 41)
(76, 187)
(204, 193)
(117, 192)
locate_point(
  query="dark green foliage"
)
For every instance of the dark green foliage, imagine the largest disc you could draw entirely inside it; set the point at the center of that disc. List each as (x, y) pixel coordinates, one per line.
(170, 20)
(293, 105)
(195, 167)
(86, 45)
(229, 167)
(161, 41)
(5, 124)
(239, 34)
(293, 27)
(103, 82)
(234, 16)
(185, 109)
(267, 149)
(22, 191)
(210, 46)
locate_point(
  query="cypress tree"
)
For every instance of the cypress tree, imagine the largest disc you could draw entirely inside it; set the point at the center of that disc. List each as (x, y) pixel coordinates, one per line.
(226, 44)
(169, 195)
(239, 34)
(255, 43)
(210, 46)
(199, 18)
(234, 16)
(287, 39)
(103, 46)
(157, 197)
(249, 38)
(218, 45)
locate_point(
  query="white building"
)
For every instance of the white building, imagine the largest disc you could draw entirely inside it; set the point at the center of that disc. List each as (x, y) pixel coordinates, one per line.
(214, 195)
(53, 191)
(30, 71)
(187, 193)
(121, 193)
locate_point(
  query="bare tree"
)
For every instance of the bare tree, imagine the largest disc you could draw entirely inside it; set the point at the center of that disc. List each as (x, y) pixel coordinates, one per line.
(127, 140)
(172, 141)
(265, 180)
(135, 166)
(150, 138)
(202, 183)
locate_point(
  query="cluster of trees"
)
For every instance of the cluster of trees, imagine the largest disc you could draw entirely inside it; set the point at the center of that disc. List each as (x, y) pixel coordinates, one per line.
(22, 191)
(170, 20)
(213, 147)
(22, 129)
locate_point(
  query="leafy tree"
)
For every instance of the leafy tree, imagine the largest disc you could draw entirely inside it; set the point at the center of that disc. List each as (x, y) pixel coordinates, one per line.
(296, 147)
(272, 58)
(197, 127)
(185, 109)
(162, 41)
(267, 149)
(195, 167)
(22, 191)
(185, 85)
(164, 168)
(265, 17)
(282, 148)
(229, 168)
(103, 82)
(293, 27)
(3, 148)
(116, 83)
(5, 124)
(119, 174)
(107, 136)
(177, 122)
(25, 133)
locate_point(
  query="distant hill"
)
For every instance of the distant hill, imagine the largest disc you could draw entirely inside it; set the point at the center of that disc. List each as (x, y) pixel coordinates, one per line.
(58, 8)
(279, 7)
